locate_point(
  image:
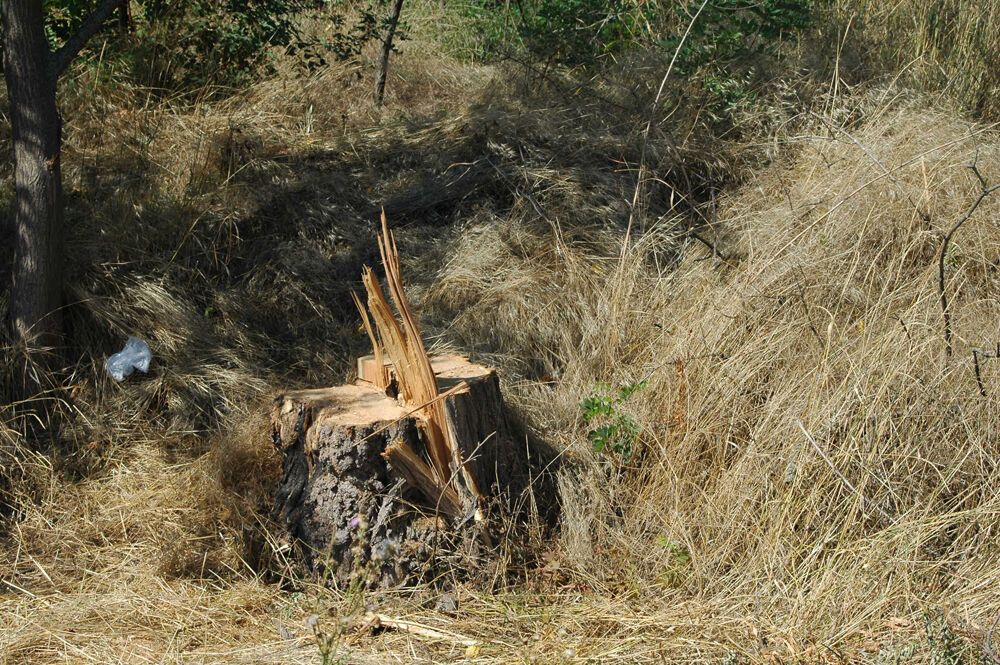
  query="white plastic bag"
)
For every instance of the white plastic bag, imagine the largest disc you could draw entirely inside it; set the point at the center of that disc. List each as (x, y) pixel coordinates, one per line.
(135, 356)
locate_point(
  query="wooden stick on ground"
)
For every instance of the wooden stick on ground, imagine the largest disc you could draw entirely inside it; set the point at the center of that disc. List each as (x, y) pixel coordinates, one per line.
(371, 620)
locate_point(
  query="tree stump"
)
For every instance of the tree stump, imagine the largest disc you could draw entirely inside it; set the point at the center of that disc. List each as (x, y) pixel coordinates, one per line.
(357, 497)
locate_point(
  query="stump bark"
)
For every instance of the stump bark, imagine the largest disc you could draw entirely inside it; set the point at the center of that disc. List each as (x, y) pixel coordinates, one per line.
(357, 495)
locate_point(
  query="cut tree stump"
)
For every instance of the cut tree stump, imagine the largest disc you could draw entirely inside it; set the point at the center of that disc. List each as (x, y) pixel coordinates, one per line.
(357, 494)
(386, 477)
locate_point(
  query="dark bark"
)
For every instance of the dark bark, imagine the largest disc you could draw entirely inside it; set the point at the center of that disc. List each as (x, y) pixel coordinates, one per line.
(36, 290)
(383, 62)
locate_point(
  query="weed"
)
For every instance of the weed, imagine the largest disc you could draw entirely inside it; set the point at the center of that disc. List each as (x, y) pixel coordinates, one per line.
(615, 430)
(677, 561)
(567, 32)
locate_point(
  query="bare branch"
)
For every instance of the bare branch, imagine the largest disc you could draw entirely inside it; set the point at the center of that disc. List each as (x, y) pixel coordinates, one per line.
(90, 26)
(984, 192)
(983, 354)
(979, 372)
(974, 167)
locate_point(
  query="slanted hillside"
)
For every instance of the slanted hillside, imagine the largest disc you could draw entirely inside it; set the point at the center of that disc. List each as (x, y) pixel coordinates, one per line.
(792, 466)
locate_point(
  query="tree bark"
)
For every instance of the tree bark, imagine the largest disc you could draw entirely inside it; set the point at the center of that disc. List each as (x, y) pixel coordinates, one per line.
(36, 292)
(383, 62)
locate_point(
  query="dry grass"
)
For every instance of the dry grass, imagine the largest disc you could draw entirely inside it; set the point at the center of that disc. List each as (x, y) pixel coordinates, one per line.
(813, 474)
(948, 45)
(827, 466)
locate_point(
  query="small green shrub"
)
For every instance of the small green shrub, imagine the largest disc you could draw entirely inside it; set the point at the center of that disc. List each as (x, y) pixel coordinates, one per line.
(729, 42)
(730, 32)
(187, 45)
(677, 562)
(946, 648)
(614, 430)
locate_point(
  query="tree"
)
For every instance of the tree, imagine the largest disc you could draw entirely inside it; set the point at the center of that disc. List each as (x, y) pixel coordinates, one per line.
(383, 61)
(31, 70)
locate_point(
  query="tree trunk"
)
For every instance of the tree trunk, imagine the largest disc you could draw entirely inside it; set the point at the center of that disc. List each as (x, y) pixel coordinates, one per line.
(358, 493)
(36, 292)
(383, 62)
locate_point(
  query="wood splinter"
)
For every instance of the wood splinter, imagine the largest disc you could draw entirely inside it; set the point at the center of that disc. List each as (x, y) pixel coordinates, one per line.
(397, 342)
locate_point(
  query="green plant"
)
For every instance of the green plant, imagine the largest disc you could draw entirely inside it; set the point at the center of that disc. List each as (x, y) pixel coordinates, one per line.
(677, 562)
(733, 31)
(348, 38)
(614, 429)
(209, 42)
(728, 41)
(328, 643)
(187, 45)
(568, 32)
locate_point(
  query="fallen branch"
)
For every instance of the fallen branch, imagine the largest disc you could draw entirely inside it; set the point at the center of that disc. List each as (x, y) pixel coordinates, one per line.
(986, 355)
(979, 374)
(989, 649)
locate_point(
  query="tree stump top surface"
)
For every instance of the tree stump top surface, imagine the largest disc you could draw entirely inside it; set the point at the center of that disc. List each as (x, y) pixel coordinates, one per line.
(451, 369)
(363, 403)
(357, 404)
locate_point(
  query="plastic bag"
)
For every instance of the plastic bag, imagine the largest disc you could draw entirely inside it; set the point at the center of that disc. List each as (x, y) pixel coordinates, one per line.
(135, 356)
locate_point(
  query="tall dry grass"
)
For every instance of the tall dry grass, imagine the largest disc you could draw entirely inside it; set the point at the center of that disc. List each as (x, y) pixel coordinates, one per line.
(950, 46)
(813, 462)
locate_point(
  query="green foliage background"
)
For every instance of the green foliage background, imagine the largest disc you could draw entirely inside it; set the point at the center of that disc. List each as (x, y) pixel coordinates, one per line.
(190, 44)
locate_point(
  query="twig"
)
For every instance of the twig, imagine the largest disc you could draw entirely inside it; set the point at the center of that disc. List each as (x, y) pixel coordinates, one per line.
(979, 375)
(805, 306)
(716, 253)
(989, 649)
(987, 355)
(985, 191)
(833, 467)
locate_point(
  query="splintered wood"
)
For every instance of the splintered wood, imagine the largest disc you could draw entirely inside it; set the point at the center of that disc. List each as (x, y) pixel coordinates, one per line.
(416, 439)
(399, 341)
